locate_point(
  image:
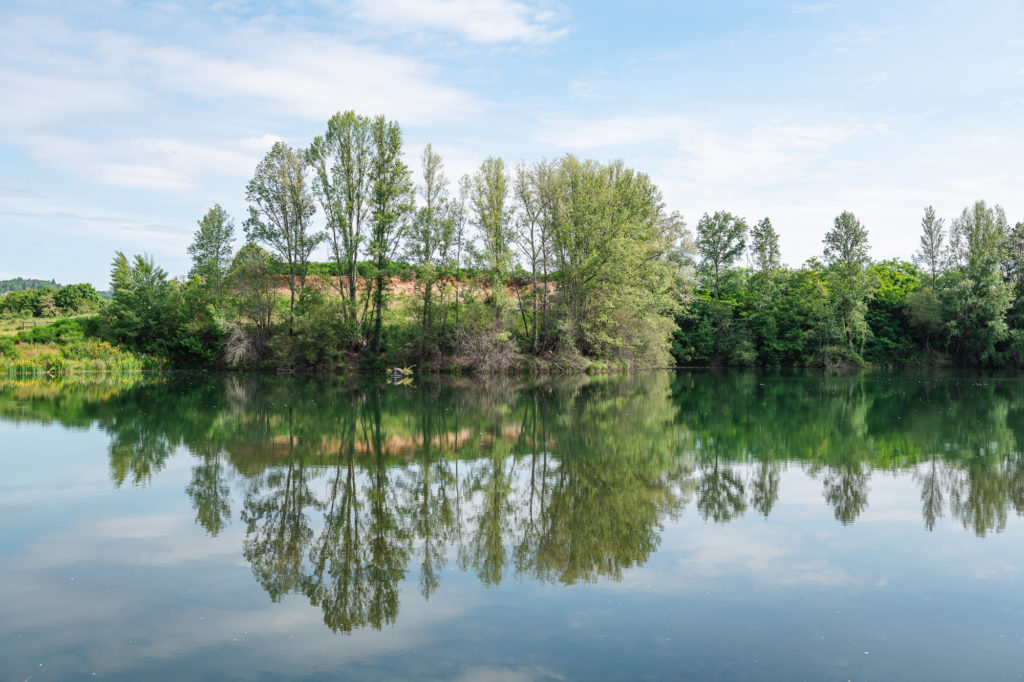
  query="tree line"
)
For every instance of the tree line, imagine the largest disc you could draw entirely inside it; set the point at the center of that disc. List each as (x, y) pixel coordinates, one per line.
(558, 264)
(960, 301)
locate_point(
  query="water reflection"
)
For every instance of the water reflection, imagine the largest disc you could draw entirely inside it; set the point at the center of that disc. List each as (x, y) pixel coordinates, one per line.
(343, 487)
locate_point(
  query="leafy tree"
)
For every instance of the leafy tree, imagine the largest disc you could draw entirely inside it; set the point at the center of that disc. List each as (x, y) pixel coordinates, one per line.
(891, 341)
(492, 215)
(391, 202)
(931, 254)
(764, 246)
(612, 246)
(342, 162)
(926, 314)
(846, 253)
(431, 240)
(211, 249)
(280, 213)
(251, 280)
(140, 303)
(75, 298)
(766, 257)
(977, 296)
(535, 190)
(721, 239)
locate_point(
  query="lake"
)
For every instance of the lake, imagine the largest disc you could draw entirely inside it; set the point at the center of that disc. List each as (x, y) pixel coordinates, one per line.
(662, 525)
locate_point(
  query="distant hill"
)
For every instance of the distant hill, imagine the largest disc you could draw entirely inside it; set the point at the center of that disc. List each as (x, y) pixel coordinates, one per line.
(19, 283)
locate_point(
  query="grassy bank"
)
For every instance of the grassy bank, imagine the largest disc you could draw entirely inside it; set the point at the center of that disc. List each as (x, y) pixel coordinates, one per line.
(65, 346)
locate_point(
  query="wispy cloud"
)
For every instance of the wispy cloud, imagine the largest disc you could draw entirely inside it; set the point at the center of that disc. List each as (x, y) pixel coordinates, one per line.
(479, 21)
(51, 74)
(817, 8)
(767, 152)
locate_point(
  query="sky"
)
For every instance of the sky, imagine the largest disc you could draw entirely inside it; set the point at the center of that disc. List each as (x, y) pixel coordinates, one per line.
(121, 123)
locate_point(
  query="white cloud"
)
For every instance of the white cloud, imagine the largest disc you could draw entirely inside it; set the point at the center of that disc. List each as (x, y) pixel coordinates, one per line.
(50, 75)
(153, 163)
(812, 9)
(311, 76)
(767, 153)
(479, 21)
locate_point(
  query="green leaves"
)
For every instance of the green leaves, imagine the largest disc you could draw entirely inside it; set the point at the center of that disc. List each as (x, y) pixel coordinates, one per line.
(211, 249)
(721, 239)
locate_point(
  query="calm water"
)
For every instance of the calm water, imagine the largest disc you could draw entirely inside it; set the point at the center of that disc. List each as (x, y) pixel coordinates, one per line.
(651, 526)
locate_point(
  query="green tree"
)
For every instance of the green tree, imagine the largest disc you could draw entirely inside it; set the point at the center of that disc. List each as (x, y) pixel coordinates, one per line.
(931, 253)
(75, 298)
(280, 213)
(139, 304)
(211, 249)
(766, 257)
(251, 282)
(391, 202)
(430, 241)
(612, 245)
(846, 253)
(342, 162)
(977, 295)
(491, 213)
(764, 246)
(721, 239)
(536, 187)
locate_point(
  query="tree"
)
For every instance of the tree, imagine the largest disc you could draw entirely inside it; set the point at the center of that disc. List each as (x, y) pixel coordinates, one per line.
(251, 280)
(533, 195)
(846, 253)
(931, 254)
(139, 300)
(1013, 269)
(764, 246)
(459, 217)
(978, 296)
(211, 249)
(391, 201)
(74, 298)
(492, 216)
(612, 246)
(721, 239)
(431, 237)
(342, 161)
(281, 213)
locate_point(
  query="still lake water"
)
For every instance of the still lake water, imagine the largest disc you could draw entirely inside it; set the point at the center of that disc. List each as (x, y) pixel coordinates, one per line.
(648, 526)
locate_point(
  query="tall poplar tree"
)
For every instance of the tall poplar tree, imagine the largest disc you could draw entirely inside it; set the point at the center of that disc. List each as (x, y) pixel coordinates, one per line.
(431, 237)
(931, 252)
(341, 161)
(391, 202)
(491, 213)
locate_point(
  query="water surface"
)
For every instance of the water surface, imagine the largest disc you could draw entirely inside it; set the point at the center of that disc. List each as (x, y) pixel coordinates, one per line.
(648, 526)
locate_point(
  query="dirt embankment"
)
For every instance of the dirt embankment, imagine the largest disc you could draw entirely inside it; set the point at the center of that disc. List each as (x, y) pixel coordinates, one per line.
(402, 287)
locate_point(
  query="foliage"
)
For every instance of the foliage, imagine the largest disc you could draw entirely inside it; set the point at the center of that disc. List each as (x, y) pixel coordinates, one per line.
(211, 249)
(280, 212)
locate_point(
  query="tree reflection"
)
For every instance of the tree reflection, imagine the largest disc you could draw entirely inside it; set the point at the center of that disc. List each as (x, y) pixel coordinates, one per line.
(720, 493)
(348, 489)
(210, 495)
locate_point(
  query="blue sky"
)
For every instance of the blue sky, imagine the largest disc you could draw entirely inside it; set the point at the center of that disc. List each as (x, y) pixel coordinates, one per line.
(122, 122)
